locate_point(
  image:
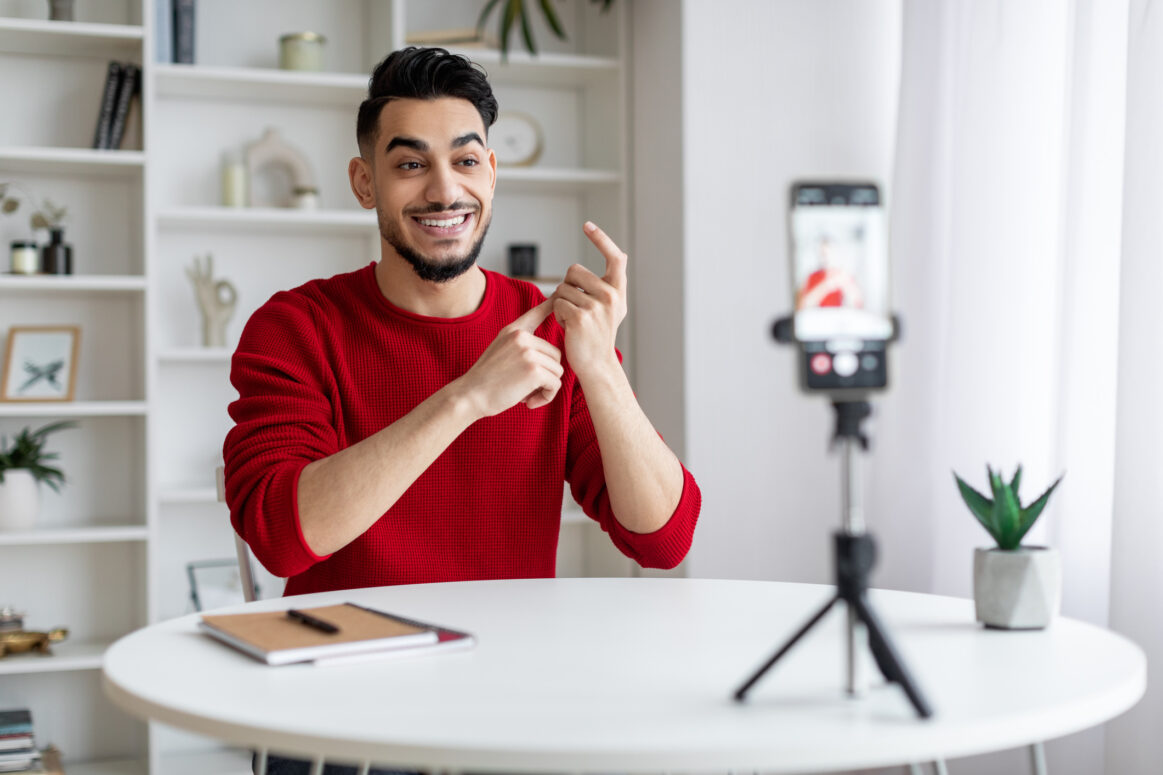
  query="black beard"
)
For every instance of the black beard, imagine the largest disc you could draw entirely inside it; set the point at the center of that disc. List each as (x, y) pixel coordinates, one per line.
(426, 268)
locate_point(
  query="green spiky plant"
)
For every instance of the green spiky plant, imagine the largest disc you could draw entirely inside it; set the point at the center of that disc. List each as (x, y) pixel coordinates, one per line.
(27, 451)
(1004, 517)
(514, 11)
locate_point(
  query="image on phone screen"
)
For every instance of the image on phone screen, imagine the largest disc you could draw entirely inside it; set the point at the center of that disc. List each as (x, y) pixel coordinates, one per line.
(839, 262)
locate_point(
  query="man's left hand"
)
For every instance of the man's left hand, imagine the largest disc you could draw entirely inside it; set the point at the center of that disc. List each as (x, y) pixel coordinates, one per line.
(590, 308)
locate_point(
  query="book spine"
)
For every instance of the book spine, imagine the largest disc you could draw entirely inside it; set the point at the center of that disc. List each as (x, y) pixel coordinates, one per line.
(184, 31)
(130, 86)
(164, 37)
(108, 104)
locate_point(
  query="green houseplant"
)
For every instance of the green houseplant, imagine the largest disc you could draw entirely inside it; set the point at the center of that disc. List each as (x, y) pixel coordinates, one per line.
(24, 464)
(515, 12)
(1014, 586)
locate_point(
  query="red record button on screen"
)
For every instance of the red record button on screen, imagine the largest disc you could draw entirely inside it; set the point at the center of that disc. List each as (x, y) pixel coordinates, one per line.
(821, 363)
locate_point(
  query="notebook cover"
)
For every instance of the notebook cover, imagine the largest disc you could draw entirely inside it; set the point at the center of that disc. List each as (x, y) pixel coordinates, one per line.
(276, 639)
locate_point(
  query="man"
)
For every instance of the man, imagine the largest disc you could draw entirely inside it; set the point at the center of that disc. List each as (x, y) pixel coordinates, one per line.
(413, 421)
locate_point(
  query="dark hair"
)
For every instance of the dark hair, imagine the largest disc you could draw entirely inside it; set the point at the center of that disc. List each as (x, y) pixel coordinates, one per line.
(424, 74)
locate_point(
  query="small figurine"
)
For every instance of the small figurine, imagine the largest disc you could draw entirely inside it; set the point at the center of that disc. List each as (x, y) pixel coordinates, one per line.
(215, 299)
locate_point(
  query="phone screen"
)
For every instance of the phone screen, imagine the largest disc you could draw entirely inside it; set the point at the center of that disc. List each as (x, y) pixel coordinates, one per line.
(839, 262)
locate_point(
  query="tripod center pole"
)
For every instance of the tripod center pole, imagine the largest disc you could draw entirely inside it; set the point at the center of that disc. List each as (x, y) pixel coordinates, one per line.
(853, 494)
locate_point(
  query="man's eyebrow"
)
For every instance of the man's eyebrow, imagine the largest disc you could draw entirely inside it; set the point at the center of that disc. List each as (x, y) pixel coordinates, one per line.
(467, 138)
(407, 142)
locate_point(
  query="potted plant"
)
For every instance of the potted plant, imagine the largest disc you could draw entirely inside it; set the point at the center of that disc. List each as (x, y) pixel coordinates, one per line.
(515, 11)
(1015, 587)
(23, 466)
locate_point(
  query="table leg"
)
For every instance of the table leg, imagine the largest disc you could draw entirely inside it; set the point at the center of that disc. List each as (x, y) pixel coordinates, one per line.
(1038, 759)
(317, 766)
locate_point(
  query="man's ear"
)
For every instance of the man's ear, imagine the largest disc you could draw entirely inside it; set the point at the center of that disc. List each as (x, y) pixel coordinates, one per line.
(359, 172)
(493, 166)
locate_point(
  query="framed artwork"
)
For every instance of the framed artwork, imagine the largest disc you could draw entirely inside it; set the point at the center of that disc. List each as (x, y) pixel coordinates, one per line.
(40, 363)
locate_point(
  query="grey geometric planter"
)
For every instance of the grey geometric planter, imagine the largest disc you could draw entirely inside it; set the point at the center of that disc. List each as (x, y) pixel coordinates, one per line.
(1019, 589)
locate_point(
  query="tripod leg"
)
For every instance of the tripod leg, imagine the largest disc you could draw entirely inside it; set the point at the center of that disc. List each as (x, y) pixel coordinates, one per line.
(887, 658)
(741, 693)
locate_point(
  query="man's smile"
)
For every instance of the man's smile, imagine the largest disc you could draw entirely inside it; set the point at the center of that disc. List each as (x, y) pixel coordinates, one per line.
(444, 224)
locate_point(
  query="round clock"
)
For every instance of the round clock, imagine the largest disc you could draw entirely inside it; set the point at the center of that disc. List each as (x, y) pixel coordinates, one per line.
(516, 139)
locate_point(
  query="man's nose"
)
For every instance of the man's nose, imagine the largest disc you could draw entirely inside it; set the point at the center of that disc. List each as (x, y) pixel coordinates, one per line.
(443, 187)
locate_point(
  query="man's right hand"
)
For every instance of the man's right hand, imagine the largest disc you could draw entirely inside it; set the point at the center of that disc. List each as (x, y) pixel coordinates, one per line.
(518, 367)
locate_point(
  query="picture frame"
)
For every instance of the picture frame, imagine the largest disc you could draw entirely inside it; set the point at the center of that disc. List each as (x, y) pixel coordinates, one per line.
(40, 363)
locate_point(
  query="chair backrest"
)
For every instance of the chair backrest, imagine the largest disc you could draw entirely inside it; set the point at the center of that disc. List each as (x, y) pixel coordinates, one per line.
(245, 568)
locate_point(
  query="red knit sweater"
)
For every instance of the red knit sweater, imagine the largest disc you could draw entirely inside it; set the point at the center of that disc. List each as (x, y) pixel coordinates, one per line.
(324, 366)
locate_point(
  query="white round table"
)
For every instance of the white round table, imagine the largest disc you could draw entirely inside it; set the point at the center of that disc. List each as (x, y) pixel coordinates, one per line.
(636, 675)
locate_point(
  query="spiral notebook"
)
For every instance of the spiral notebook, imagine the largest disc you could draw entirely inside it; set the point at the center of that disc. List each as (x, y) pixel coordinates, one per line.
(285, 637)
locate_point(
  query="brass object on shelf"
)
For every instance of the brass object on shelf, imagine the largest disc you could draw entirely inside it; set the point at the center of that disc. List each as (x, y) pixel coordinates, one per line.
(22, 641)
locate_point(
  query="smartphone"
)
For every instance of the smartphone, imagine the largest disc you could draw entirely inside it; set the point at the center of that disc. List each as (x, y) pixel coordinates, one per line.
(839, 263)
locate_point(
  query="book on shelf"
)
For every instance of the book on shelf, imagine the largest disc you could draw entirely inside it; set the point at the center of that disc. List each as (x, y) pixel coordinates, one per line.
(127, 91)
(108, 105)
(16, 722)
(14, 742)
(122, 92)
(183, 31)
(329, 634)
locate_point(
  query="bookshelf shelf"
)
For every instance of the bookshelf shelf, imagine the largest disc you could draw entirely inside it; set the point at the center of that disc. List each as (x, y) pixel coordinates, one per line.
(65, 656)
(253, 84)
(75, 535)
(260, 220)
(73, 284)
(535, 180)
(74, 409)
(37, 36)
(72, 161)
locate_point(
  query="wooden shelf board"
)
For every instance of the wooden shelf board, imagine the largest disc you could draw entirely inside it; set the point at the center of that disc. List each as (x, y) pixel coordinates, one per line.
(90, 534)
(73, 283)
(71, 161)
(282, 219)
(66, 656)
(53, 38)
(253, 84)
(543, 69)
(72, 408)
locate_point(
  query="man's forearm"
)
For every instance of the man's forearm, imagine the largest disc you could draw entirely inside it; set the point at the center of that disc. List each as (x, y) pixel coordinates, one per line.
(341, 496)
(643, 476)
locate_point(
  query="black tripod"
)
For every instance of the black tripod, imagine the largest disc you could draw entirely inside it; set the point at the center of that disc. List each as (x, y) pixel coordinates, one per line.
(855, 554)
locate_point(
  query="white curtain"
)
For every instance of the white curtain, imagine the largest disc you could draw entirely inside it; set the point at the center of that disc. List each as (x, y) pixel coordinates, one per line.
(1029, 291)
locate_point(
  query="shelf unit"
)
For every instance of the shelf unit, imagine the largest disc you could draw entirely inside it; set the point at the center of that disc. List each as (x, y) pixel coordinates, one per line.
(111, 551)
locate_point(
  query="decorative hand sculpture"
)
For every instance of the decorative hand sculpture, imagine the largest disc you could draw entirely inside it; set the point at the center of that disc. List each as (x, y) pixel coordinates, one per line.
(216, 300)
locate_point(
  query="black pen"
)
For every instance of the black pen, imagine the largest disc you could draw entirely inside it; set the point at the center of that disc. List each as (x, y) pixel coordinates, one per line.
(312, 621)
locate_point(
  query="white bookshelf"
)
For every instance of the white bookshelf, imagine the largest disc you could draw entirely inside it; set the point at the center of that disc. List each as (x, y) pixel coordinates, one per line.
(150, 403)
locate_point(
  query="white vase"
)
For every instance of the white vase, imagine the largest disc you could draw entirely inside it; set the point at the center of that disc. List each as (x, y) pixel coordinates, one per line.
(1018, 589)
(19, 500)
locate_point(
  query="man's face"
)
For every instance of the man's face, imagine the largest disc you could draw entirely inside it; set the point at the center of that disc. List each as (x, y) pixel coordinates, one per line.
(433, 178)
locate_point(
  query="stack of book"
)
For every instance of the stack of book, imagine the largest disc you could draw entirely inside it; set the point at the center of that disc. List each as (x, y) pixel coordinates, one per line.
(17, 749)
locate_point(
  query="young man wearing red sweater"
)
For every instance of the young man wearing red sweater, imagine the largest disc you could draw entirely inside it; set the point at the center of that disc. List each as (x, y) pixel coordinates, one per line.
(413, 421)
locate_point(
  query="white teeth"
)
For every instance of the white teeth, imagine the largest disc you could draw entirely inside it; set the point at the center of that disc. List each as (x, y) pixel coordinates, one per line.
(443, 224)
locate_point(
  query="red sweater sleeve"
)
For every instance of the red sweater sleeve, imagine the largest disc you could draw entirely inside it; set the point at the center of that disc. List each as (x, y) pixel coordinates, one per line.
(665, 547)
(283, 421)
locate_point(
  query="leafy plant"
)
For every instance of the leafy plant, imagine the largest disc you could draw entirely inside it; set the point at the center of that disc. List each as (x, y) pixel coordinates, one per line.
(514, 11)
(27, 451)
(1004, 517)
(47, 216)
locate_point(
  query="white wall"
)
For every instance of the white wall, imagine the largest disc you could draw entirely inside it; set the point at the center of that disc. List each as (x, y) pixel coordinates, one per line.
(772, 92)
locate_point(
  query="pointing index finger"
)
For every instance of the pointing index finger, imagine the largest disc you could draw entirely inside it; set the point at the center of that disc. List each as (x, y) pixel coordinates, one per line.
(615, 257)
(534, 317)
